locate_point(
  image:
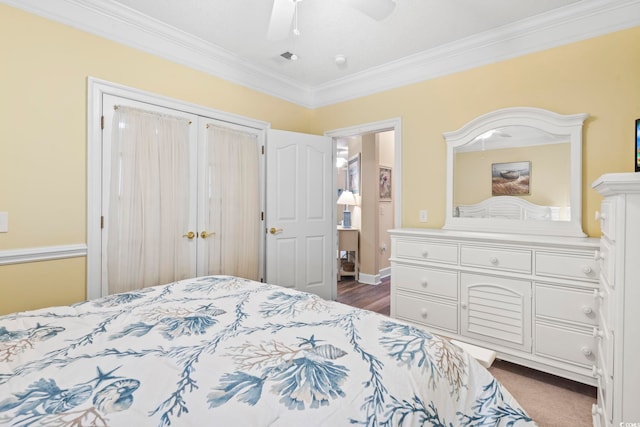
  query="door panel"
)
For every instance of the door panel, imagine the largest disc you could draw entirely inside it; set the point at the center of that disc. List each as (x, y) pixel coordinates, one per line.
(299, 219)
(203, 240)
(148, 195)
(230, 173)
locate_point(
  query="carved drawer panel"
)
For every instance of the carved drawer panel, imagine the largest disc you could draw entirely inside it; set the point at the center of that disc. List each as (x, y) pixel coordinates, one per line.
(496, 309)
(496, 258)
(570, 266)
(426, 280)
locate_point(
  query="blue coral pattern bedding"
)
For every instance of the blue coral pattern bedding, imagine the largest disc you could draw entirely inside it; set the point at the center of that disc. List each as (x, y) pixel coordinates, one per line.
(225, 351)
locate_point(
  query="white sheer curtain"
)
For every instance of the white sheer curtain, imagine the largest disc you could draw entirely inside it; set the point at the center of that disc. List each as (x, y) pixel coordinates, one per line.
(233, 202)
(148, 200)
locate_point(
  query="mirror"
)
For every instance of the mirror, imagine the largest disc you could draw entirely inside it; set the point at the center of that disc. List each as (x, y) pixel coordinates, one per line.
(516, 170)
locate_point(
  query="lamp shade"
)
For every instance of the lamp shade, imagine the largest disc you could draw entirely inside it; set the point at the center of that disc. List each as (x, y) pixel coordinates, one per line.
(346, 198)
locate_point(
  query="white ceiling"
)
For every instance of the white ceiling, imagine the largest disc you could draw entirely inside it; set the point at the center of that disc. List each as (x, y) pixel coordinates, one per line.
(421, 39)
(331, 27)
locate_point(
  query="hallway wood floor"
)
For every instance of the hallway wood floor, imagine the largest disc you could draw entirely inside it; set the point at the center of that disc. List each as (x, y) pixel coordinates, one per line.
(370, 297)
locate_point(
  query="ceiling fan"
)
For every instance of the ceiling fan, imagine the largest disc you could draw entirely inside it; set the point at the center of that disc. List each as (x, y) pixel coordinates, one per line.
(284, 12)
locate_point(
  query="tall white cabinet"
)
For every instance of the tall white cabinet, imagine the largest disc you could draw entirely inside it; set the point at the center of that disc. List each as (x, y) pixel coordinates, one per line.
(618, 332)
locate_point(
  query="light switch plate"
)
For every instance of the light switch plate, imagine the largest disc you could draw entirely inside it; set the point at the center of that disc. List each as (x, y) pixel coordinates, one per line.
(4, 222)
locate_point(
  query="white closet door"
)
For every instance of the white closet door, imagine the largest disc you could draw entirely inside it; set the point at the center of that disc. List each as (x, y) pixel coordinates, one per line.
(230, 173)
(149, 195)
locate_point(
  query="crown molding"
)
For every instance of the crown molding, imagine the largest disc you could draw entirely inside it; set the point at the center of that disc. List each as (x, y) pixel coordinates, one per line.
(579, 21)
(584, 20)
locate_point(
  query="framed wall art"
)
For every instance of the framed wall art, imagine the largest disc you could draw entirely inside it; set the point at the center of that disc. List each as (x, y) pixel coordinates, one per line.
(354, 174)
(510, 179)
(384, 183)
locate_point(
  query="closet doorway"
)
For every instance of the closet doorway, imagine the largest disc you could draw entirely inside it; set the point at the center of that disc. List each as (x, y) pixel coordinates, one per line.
(179, 194)
(302, 234)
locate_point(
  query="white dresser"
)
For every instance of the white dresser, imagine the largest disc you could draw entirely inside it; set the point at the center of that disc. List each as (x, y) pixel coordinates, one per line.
(618, 365)
(529, 298)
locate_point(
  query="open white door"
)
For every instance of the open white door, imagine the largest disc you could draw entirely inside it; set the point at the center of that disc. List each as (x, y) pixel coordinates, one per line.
(299, 217)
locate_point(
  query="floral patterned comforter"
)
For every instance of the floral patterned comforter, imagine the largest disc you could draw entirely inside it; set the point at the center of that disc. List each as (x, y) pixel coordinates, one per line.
(224, 351)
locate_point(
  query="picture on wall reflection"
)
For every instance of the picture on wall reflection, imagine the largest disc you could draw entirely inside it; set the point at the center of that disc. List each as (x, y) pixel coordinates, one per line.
(510, 179)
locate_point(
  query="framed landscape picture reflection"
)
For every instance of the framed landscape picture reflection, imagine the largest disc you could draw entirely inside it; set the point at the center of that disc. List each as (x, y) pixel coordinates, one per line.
(510, 179)
(353, 172)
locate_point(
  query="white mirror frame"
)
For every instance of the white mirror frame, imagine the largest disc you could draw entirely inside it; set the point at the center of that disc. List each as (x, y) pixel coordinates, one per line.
(548, 121)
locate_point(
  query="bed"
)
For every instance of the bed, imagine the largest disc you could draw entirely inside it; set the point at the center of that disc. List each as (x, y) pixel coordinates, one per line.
(226, 351)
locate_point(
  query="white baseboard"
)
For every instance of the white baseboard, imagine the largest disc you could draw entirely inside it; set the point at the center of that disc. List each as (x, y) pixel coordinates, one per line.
(374, 279)
(45, 253)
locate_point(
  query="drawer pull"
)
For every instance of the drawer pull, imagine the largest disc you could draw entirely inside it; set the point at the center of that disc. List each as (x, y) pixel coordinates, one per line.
(424, 283)
(597, 333)
(597, 294)
(596, 372)
(596, 410)
(493, 260)
(424, 313)
(598, 255)
(587, 270)
(587, 310)
(463, 305)
(425, 254)
(586, 351)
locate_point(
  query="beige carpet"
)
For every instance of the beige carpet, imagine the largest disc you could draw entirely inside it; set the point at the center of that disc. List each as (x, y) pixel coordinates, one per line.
(550, 400)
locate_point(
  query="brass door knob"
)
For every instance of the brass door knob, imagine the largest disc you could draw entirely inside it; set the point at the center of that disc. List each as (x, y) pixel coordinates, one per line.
(274, 230)
(204, 234)
(190, 235)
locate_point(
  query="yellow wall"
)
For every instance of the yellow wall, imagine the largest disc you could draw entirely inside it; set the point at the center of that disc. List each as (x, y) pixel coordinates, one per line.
(43, 98)
(600, 76)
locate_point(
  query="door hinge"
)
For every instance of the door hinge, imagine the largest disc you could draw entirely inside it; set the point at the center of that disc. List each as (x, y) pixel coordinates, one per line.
(102, 122)
(101, 222)
(263, 150)
(262, 215)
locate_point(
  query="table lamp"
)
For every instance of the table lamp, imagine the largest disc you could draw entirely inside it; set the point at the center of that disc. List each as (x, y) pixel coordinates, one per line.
(347, 199)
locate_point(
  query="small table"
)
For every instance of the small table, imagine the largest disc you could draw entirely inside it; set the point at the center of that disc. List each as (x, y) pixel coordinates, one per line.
(348, 242)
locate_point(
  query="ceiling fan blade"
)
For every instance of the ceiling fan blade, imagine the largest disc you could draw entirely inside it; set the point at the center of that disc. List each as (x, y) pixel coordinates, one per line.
(281, 17)
(376, 9)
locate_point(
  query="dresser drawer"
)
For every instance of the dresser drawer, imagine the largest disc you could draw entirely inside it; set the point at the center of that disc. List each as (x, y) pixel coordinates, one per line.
(427, 312)
(425, 280)
(502, 259)
(568, 345)
(607, 219)
(570, 266)
(605, 348)
(605, 398)
(602, 297)
(427, 251)
(573, 305)
(606, 260)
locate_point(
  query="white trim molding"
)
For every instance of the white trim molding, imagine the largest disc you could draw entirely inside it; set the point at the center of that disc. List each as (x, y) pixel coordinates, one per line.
(44, 253)
(578, 21)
